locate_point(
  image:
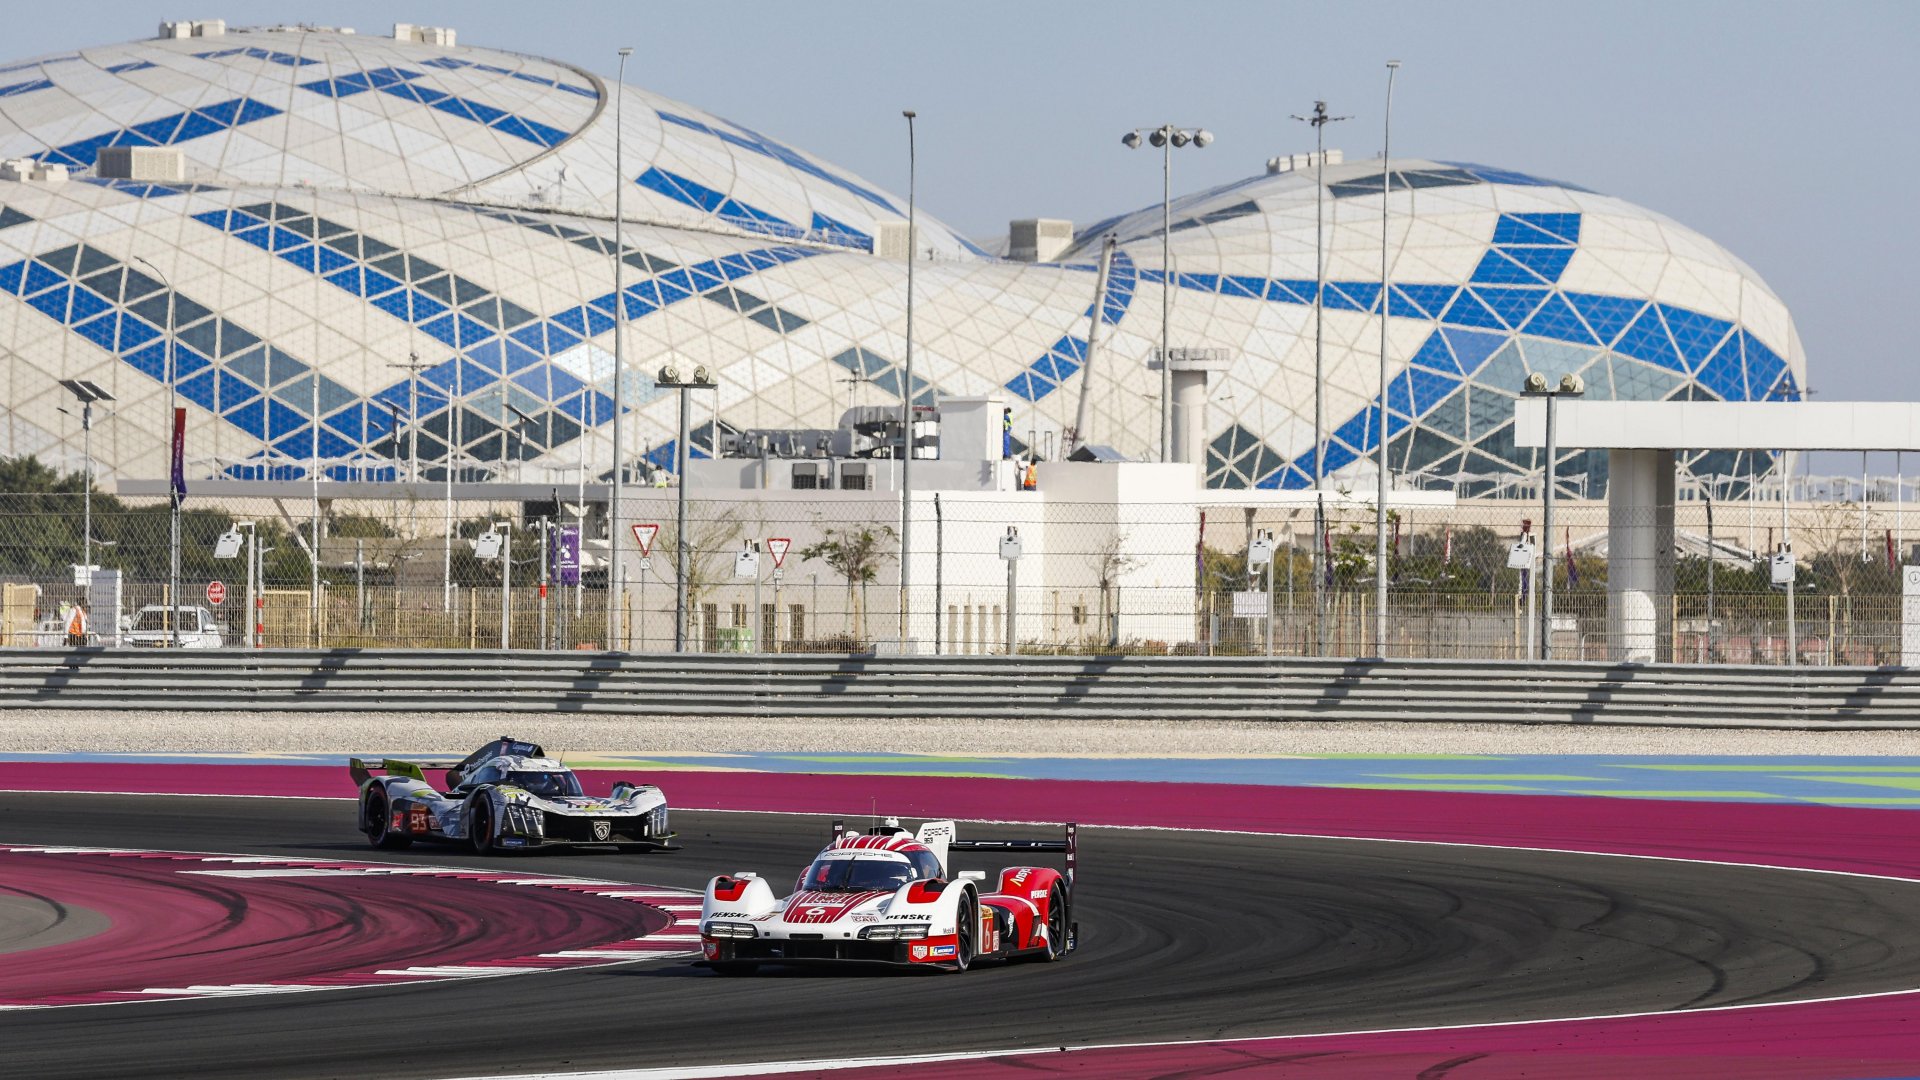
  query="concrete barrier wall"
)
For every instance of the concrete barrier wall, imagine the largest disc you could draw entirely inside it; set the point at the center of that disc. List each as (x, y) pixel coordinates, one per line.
(953, 687)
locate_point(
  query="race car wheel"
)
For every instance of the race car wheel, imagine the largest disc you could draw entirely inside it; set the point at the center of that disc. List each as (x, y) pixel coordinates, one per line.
(480, 824)
(377, 822)
(1058, 928)
(963, 946)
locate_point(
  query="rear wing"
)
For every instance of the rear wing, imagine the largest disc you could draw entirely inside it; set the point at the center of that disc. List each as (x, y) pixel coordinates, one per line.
(1068, 844)
(362, 770)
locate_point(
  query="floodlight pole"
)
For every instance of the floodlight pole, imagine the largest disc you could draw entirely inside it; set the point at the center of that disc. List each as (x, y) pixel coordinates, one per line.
(1166, 136)
(86, 494)
(173, 532)
(1386, 300)
(906, 407)
(619, 370)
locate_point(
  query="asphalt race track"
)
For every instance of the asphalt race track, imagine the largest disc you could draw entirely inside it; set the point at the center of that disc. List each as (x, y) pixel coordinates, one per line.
(1183, 936)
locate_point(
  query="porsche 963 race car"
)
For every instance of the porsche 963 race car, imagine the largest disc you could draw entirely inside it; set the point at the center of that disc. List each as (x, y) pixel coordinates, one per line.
(888, 896)
(508, 795)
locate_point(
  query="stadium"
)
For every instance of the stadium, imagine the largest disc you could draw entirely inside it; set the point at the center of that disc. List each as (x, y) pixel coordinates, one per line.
(388, 256)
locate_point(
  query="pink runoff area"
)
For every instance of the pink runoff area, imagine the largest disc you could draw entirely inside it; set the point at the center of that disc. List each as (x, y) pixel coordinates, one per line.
(1857, 1038)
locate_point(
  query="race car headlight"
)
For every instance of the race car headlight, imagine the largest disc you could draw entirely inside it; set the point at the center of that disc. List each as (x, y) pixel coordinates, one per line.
(525, 820)
(717, 929)
(893, 933)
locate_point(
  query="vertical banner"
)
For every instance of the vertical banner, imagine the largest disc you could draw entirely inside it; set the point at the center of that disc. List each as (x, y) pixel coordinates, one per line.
(179, 471)
(566, 555)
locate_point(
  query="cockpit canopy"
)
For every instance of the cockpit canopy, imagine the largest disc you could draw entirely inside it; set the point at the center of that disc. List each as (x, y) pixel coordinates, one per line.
(548, 784)
(875, 871)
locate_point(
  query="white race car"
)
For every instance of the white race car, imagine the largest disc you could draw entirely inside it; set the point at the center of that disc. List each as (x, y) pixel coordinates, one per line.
(887, 896)
(507, 795)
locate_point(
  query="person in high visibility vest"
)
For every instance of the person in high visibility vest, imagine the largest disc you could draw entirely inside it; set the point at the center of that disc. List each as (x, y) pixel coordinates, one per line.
(77, 627)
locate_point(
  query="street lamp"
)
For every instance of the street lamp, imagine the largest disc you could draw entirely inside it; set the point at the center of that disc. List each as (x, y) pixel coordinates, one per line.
(1536, 386)
(88, 393)
(176, 483)
(619, 317)
(1319, 121)
(670, 378)
(1166, 137)
(1386, 300)
(906, 401)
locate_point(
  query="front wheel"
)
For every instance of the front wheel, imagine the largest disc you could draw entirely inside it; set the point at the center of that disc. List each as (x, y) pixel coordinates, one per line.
(377, 822)
(963, 944)
(480, 824)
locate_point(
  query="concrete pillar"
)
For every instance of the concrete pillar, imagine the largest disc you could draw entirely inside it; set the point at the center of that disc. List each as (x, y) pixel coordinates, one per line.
(1189, 414)
(1640, 554)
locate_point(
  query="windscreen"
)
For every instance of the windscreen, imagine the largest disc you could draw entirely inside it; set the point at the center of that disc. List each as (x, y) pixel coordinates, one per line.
(547, 785)
(158, 620)
(857, 875)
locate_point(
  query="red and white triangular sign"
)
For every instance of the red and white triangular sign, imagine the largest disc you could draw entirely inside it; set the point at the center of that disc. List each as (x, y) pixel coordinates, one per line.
(643, 535)
(777, 547)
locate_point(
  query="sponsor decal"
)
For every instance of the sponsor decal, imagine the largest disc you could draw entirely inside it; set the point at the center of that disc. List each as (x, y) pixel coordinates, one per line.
(1037, 894)
(943, 950)
(920, 918)
(602, 830)
(919, 952)
(1021, 877)
(729, 915)
(711, 948)
(399, 820)
(863, 918)
(809, 906)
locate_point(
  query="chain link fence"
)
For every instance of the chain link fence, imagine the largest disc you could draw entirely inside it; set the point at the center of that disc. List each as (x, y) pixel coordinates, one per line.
(1089, 578)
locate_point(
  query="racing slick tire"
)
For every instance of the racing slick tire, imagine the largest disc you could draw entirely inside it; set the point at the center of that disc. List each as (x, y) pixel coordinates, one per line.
(1060, 929)
(377, 823)
(480, 823)
(964, 938)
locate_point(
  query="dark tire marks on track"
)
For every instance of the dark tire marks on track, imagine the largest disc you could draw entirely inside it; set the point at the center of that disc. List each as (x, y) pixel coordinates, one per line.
(1183, 936)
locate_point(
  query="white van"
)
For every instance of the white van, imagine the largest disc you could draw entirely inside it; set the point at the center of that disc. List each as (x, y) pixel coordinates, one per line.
(153, 628)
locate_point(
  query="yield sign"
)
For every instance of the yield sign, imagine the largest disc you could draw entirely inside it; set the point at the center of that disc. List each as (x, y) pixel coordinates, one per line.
(777, 547)
(643, 535)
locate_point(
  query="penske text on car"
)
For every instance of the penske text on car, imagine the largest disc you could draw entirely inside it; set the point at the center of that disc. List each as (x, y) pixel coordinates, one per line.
(889, 896)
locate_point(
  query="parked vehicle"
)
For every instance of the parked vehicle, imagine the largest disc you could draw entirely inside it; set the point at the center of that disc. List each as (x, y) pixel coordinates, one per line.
(153, 628)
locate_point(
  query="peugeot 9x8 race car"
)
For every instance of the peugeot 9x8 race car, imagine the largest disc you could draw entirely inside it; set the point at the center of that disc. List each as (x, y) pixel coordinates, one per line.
(887, 896)
(508, 795)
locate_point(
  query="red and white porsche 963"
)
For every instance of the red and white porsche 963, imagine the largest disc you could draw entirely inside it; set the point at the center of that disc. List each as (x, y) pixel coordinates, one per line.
(888, 896)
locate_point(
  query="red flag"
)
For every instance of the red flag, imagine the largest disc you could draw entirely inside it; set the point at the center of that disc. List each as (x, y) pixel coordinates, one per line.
(1573, 575)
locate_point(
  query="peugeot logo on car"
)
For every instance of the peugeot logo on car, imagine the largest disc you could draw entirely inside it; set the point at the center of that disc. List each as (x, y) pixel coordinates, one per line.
(602, 830)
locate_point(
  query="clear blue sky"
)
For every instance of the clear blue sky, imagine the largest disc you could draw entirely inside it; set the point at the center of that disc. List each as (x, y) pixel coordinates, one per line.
(1786, 131)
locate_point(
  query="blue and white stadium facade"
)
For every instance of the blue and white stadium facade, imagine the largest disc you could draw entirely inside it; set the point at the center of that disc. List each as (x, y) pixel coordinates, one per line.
(418, 238)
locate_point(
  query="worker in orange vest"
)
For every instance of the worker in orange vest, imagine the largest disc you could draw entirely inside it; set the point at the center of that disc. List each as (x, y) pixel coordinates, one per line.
(77, 627)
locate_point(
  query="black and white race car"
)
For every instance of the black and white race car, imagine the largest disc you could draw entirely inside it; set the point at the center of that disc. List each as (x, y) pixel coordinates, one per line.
(508, 795)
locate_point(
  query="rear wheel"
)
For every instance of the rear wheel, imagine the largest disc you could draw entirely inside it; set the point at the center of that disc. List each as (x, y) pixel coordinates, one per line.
(480, 824)
(377, 822)
(1058, 928)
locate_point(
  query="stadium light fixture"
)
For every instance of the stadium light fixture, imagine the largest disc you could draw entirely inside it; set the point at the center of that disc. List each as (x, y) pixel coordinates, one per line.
(1319, 121)
(1166, 137)
(672, 378)
(1569, 385)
